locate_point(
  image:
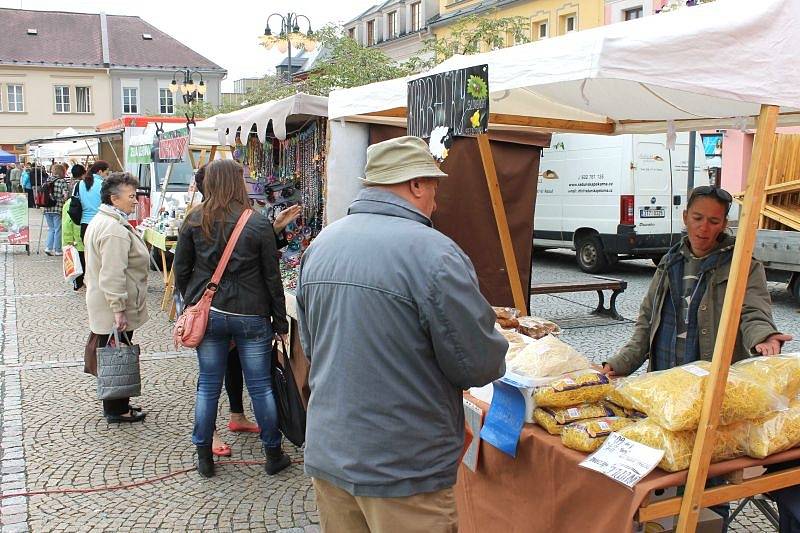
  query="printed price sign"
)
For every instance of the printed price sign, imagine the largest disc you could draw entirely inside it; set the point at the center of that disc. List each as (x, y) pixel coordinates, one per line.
(623, 460)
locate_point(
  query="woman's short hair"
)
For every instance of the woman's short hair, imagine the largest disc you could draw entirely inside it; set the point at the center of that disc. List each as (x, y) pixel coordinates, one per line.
(78, 171)
(58, 170)
(113, 184)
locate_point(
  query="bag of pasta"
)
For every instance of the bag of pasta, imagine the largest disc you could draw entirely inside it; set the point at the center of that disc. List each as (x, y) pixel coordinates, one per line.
(554, 418)
(678, 445)
(779, 373)
(776, 433)
(536, 327)
(584, 386)
(588, 435)
(547, 357)
(673, 398)
(624, 412)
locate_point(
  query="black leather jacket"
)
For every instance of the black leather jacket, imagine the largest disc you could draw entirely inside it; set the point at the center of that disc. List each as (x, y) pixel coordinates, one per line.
(251, 284)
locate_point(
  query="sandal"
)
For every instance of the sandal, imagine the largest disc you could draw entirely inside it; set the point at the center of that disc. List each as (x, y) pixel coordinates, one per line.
(132, 416)
(238, 427)
(223, 450)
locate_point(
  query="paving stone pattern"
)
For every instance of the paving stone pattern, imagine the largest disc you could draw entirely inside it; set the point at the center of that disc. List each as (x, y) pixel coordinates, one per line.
(54, 437)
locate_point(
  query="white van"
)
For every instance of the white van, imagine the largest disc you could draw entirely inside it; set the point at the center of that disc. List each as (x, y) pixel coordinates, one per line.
(606, 196)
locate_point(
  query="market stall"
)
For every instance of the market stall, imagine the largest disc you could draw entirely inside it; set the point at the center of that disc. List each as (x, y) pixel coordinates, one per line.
(282, 145)
(637, 77)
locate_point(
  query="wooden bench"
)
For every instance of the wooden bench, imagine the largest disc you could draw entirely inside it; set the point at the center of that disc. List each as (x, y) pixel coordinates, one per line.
(616, 286)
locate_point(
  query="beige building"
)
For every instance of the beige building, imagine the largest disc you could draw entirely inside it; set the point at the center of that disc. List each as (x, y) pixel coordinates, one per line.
(41, 101)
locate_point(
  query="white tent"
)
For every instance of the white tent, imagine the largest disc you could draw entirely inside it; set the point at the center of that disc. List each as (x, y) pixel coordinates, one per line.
(707, 65)
(64, 150)
(221, 129)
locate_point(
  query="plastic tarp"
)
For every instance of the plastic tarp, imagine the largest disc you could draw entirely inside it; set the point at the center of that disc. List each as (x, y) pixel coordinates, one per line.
(637, 74)
(221, 129)
(5, 157)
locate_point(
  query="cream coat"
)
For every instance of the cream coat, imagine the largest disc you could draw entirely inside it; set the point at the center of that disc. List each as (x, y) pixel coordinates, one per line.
(116, 272)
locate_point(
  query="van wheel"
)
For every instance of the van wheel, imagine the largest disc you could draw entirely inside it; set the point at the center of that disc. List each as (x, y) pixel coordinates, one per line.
(590, 255)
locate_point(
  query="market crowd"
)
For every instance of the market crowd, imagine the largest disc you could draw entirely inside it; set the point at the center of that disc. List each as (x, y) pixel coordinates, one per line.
(390, 316)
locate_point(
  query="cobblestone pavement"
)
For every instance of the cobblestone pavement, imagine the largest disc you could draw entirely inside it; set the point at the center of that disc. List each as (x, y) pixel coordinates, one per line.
(53, 436)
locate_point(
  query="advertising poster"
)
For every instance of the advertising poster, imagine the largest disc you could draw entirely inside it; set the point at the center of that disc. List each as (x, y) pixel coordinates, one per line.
(14, 219)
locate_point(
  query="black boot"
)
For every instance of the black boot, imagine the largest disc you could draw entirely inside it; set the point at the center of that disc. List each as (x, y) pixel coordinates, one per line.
(277, 460)
(205, 461)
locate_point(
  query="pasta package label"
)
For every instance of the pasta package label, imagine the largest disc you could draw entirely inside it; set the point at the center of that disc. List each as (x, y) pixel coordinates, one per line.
(553, 418)
(588, 435)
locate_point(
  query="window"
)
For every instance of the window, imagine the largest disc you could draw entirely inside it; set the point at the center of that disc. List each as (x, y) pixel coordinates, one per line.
(370, 33)
(391, 25)
(15, 98)
(633, 13)
(166, 105)
(202, 98)
(542, 30)
(352, 33)
(130, 100)
(570, 24)
(83, 100)
(62, 99)
(416, 16)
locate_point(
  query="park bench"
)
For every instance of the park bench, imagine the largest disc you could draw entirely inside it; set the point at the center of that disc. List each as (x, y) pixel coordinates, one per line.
(616, 286)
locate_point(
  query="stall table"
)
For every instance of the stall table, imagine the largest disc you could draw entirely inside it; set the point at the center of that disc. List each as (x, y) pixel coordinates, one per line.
(164, 244)
(544, 490)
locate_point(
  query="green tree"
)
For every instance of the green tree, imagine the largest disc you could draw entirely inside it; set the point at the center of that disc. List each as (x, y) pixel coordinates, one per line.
(471, 35)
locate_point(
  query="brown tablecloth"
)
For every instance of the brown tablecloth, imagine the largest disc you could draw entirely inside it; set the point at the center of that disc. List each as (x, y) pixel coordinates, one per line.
(544, 490)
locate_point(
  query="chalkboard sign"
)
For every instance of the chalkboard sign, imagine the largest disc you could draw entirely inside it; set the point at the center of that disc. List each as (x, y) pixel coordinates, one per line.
(457, 100)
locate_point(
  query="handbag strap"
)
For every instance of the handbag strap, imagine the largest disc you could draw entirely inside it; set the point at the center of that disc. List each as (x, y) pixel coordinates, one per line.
(226, 255)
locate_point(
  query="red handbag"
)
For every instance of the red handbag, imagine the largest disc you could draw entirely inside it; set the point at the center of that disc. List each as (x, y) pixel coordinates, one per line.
(190, 327)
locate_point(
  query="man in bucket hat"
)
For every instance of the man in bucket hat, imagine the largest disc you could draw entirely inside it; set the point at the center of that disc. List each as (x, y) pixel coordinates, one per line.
(395, 327)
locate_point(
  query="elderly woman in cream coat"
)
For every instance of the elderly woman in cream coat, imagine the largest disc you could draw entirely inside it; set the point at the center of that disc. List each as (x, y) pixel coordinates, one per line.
(116, 276)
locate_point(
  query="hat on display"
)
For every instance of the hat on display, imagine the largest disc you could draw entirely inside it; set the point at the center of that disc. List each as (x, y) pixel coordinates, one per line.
(399, 160)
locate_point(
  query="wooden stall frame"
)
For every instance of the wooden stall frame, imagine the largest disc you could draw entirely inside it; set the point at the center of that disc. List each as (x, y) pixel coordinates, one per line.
(729, 322)
(696, 496)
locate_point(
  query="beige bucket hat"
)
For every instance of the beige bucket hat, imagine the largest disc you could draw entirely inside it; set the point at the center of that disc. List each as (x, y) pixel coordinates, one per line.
(399, 160)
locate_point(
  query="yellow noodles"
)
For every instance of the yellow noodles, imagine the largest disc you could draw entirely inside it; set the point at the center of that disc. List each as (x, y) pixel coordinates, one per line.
(588, 435)
(585, 386)
(553, 418)
(776, 433)
(780, 374)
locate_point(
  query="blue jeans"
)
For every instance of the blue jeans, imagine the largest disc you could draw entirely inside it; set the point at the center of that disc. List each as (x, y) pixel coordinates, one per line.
(253, 336)
(53, 232)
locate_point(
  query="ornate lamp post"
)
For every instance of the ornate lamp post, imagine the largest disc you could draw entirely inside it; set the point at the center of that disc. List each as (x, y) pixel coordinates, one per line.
(190, 91)
(290, 29)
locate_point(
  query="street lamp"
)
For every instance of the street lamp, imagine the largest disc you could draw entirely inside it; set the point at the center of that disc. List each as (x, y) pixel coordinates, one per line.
(190, 91)
(290, 29)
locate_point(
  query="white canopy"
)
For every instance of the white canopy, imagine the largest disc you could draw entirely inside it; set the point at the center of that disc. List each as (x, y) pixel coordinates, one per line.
(63, 150)
(705, 66)
(221, 129)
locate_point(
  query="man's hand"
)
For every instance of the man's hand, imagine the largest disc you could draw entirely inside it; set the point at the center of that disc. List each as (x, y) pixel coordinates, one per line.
(284, 337)
(772, 344)
(121, 321)
(286, 217)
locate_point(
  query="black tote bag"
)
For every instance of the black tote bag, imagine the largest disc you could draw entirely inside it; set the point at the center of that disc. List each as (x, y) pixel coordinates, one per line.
(291, 412)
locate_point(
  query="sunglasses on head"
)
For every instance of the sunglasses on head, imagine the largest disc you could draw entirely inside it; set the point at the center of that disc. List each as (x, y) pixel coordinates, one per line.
(711, 190)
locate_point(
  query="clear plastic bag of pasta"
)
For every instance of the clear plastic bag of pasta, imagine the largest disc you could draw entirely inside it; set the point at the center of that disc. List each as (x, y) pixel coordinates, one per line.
(618, 410)
(547, 357)
(678, 445)
(553, 419)
(588, 435)
(776, 433)
(673, 398)
(780, 373)
(584, 386)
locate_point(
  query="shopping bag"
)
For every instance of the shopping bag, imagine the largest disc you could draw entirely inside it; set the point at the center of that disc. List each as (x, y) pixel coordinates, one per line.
(118, 374)
(291, 412)
(72, 264)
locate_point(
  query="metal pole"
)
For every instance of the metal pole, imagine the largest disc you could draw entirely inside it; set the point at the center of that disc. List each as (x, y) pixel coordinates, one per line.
(288, 23)
(690, 179)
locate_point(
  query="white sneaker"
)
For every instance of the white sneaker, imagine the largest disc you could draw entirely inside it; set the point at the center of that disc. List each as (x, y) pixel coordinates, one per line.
(58, 254)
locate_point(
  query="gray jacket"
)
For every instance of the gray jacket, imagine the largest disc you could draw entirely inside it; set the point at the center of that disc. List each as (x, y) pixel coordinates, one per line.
(395, 327)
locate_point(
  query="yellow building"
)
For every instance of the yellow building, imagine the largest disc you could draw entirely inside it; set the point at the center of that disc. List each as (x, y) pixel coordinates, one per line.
(546, 18)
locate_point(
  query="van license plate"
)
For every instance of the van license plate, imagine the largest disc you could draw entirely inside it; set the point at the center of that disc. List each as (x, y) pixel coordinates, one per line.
(652, 213)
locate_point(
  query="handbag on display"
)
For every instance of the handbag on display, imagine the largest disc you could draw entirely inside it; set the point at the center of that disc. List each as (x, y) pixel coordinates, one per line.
(190, 327)
(118, 374)
(291, 411)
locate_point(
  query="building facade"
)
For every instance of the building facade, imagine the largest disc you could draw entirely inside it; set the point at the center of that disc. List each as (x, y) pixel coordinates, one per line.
(396, 27)
(545, 18)
(60, 70)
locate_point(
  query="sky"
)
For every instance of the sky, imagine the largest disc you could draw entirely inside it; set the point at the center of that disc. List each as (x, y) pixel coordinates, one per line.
(225, 35)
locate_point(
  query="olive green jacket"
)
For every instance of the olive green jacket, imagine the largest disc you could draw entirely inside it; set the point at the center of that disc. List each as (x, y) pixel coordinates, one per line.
(755, 326)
